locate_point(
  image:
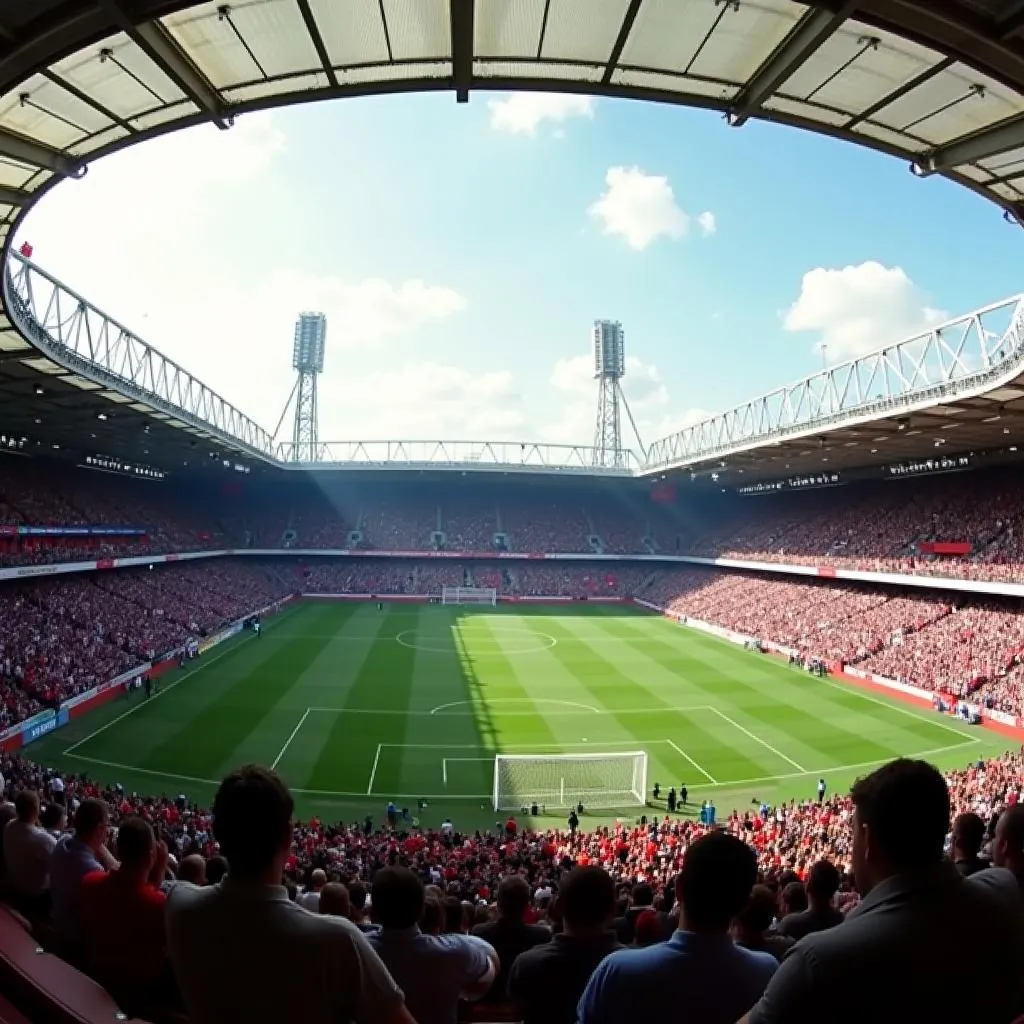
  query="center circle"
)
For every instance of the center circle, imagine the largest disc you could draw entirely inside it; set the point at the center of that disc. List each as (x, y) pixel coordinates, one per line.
(440, 645)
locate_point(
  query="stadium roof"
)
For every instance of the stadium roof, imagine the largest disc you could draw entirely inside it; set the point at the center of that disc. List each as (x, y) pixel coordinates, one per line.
(937, 83)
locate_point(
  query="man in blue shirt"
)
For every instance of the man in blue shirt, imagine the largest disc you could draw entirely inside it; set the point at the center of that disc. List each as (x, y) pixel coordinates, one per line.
(719, 979)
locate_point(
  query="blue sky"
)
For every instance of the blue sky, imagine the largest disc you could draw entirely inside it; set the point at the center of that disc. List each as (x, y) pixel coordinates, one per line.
(462, 252)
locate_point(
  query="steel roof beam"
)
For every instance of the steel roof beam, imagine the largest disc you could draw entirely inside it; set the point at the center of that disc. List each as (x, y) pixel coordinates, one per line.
(159, 46)
(463, 14)
(15, 197)
(969, 149)
(809, 34)
(35, 154)
(620, 41)
(1011, 21)
(313, 29)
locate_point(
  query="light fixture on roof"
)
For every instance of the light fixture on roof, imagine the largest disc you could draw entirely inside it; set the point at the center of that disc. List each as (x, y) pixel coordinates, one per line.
(38, 389)
(101, 416)
(919, 170)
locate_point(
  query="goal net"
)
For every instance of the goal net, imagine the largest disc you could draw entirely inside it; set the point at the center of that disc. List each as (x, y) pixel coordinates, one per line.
(565, 780)
(469, 595)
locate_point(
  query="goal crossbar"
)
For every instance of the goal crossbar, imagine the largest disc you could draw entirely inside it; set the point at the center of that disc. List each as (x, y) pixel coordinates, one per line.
(469, 595)
(599, 779)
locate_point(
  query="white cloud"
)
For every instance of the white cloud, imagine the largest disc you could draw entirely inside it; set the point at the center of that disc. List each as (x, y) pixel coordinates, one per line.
(641, 208)
(524, 112)
(859, 309)
(707, 224)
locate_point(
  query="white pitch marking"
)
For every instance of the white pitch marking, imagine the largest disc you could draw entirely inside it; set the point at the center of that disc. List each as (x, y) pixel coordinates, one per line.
(288, 742)
(679, 750)
(757, 739)
(726, 784)
(373, 771)
(517, 700)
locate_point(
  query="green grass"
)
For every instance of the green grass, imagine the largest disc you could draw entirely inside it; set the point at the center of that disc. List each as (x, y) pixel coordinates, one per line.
(355, 706)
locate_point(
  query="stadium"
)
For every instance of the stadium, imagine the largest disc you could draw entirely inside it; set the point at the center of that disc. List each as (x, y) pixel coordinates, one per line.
(483, 660)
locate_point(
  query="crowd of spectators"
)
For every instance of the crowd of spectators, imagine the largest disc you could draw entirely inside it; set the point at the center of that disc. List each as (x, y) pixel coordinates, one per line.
(544, 925)
(64, 635)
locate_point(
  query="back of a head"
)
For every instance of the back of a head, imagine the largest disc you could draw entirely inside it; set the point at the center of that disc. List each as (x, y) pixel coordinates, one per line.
(216, 869)
(334, 900)
(52, 818)
(586, 898)
(823, 881)
(26, 805)
(904, 807)
(396, 898)
(648, 930)
(455, 918)
(513, 897)
(1009, 844)
(135, 843)
(252, 819)
(643, 895)
(714, 884)
(192, 869)
(92, 813)
(357, 895)
(968, 833)
(318, 879)
(794, 897)
(757, 916)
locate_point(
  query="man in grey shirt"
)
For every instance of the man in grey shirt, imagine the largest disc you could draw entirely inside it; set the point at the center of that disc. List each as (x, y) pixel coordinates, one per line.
(889, 962)
(243, 952)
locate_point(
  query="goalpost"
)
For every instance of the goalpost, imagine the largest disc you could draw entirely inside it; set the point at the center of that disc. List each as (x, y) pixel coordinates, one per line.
(565, 780)
(469, 595)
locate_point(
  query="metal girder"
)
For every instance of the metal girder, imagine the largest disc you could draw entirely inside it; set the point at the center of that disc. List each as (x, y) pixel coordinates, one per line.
(159, 45)
(35, 154)
(14, 197)
(482, 456)
(620, 40)
(73, 333)
(318, 41)
(808, 35)
(462, 13)
(1011, 21)
(964, 355)
(1004, 136)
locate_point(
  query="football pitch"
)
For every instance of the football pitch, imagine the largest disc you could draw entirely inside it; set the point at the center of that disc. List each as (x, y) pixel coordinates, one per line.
(355, 707)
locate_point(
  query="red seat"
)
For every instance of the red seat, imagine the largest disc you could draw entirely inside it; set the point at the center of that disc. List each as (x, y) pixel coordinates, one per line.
(41, 987)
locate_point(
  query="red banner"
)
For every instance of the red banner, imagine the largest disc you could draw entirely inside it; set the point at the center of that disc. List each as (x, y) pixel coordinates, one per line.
(935, 547)
(828, 571)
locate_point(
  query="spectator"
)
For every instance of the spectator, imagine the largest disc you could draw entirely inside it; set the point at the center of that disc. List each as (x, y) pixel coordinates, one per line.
(310, 898)
(192, 869)
(358, 894)
(889, 960)
(216, 869)
(434, 971)
(510, 935)
(28, 850)
(334, 901)
(242, 951)
(546, 982)
(1007, 873)
(968, 835)
(822, 885)
(720, 980)
(122, 918)
(53, 819)
(648, 930)
(76, 855)
(752, 927)
(641, 899)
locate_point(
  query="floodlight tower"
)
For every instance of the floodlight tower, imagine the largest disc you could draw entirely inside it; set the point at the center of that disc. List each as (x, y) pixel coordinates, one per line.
(308, 363)
(609, 369)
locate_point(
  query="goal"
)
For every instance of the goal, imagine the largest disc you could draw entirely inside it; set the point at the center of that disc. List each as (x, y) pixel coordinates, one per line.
(565, 780)
(469, 595)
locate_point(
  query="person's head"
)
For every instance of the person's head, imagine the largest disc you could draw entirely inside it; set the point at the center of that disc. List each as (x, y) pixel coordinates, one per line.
(334, 900)
(91, 822)
(318, 879)
(968, 835)
(396, 897)
(1008, 845)
(136, 847)
(757, 916)
(432, 918)
(216, 869)
(357, 897)
(513, 897)
(647, 930)
(823, 883)
(900, 821)
(26, 806)
(793, 898)
(456, 919)
(53, 818)
(643, 895)
(714, 884)
(586, 900)
(252, 821)
(192, 869)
